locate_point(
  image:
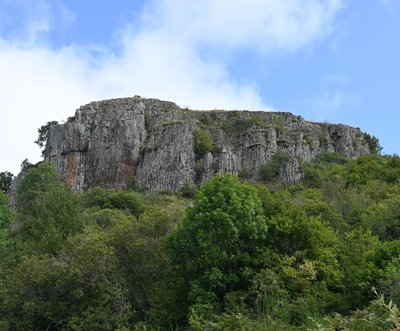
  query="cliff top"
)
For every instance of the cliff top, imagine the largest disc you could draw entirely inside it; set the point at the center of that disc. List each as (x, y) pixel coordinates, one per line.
(164, 146)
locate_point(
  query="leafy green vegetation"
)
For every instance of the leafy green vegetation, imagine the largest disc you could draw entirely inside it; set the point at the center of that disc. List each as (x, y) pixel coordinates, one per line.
(189, 190)
(5, 218)
(278, 123)
(270, 171)
(219, 241)
(319, 255)
(148, 121)
(207, 117)
(323, 141)
(43, 134)
(373, 143)
(6, 179)
(203, 142)
(242, 124)
(245, 173)
(309, 141)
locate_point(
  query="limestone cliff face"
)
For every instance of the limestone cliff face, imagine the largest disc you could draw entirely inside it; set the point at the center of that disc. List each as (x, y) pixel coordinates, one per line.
(108, 142)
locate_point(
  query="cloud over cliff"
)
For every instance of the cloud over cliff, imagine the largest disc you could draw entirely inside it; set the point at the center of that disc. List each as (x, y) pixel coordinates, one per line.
(177, 50)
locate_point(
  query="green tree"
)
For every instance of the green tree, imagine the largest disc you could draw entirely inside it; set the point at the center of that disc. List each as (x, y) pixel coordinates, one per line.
(26, 165)
(107, 277)
(140, 248)
(43, 134)
(303, 272)
(219, 243)
(47, 212)
(355, 255)
(5, 219)
(6, 179)
(386, 272)
(82, 289)
(373, 143)
(383, 218)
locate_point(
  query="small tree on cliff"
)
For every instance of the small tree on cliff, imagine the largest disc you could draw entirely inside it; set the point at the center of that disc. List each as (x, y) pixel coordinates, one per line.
(373, 143)
(43, 134)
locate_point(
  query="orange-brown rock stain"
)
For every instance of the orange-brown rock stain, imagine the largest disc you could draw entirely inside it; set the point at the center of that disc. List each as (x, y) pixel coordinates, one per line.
(71, 169)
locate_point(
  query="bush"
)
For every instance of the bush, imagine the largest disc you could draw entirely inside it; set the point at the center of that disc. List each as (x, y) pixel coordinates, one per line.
(270, 170)
(331, 157)
(245, 173)
(203, 143)
(148, 121)
(242, 124)
(189, 190)
(278, 122)
(128, 201)
(379, 315)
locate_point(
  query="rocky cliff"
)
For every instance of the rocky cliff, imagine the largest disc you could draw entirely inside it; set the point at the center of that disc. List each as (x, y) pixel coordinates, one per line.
(106, 143)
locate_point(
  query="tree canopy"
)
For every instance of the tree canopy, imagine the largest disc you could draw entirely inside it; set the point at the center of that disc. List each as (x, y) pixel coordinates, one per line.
(322, 254)
(6, 179)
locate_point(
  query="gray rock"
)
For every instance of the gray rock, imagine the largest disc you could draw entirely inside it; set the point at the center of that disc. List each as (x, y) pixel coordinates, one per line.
(108, 142)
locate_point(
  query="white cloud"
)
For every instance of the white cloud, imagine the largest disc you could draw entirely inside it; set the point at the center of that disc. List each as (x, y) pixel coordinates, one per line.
(30, 19)
(162, 58)
(261, 25)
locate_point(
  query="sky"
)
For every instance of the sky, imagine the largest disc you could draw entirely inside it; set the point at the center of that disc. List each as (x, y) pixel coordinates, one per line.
(326, 60)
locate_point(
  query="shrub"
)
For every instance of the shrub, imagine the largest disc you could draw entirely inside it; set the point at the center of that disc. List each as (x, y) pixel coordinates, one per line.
(270, 170)
(278, 122)
(323, 141)
(128, 201)
(148, 121)
(189, 190)
(203, 143)
(309, 141)
(245, 173)
(242, 124)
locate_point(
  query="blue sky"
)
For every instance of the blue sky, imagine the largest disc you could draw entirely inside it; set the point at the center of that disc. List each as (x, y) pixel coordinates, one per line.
(326, 60)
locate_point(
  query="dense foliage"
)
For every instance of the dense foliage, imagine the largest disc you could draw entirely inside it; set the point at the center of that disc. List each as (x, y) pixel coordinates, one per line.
(6, 179)
(202, 142)
(323, 254)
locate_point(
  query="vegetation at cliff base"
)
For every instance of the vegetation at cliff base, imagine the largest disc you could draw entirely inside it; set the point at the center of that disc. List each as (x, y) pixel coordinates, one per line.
(319, 255)
(6, 179)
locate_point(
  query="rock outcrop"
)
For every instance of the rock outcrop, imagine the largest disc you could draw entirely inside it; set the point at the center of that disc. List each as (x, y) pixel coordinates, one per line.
(108, 142)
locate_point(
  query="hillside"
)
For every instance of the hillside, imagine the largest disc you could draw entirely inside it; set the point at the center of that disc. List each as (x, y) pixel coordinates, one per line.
(279, 224)
(322, 254)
